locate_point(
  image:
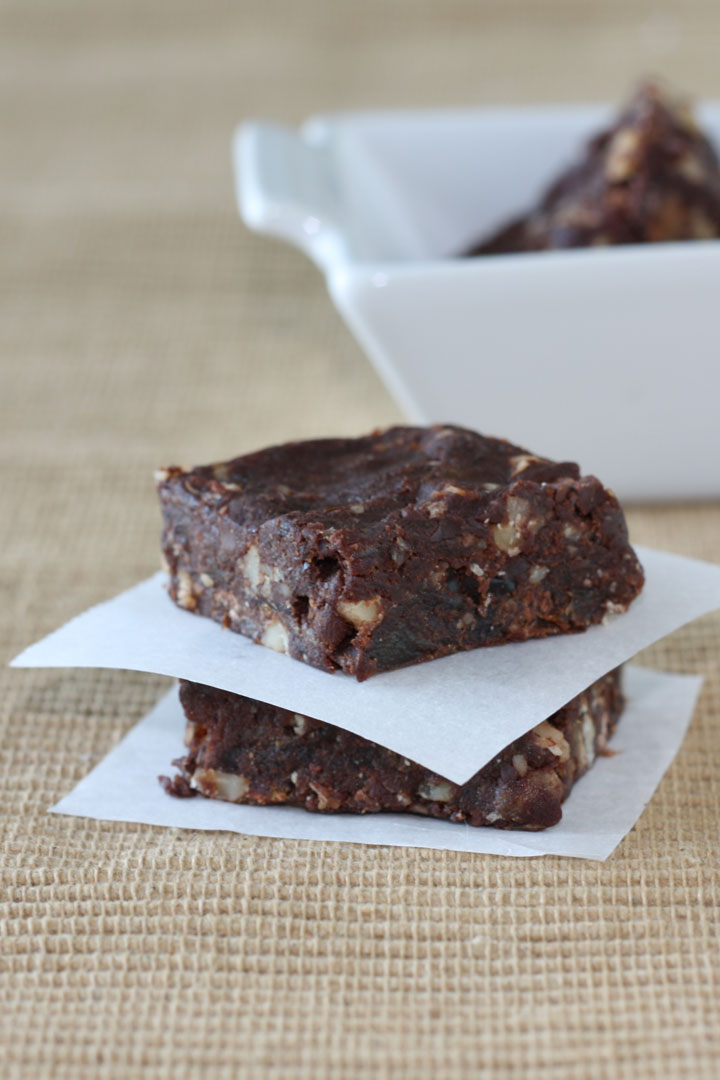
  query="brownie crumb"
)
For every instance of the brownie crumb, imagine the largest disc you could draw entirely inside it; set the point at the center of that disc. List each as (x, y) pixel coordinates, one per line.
(177, 786)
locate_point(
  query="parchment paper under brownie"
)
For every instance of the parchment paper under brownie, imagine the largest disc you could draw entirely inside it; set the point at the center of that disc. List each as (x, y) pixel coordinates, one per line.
(651, 177)
(368, 554)
(246, 751)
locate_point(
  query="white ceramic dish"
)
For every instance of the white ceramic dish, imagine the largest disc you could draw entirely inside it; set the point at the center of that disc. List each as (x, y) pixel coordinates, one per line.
(610, 357)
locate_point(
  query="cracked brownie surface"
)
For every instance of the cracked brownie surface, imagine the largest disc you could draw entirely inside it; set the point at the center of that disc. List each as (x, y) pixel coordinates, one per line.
(246, 751)
(372, 553)
(652, 177)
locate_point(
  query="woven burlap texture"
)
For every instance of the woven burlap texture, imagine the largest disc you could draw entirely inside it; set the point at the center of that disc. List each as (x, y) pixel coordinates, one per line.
(141, 325)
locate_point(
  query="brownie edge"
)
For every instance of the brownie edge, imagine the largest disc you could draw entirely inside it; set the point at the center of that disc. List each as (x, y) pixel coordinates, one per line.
(243, 750)
(369, 554)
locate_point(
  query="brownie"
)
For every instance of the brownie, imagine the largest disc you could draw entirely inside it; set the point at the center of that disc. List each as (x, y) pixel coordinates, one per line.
(246, 751)
(371, 553)
(653, 176)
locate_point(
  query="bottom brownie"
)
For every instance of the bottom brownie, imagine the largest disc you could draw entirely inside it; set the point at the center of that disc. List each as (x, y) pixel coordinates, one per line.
(246, 751)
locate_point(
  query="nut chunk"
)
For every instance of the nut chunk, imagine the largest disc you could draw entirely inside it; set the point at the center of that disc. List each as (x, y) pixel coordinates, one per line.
(368, 554)
(651, 177)
(245, 751)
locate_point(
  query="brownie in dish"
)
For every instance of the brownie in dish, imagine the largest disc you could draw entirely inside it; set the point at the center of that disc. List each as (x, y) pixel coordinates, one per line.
(368, 554)
(651, 177)
(245, 751)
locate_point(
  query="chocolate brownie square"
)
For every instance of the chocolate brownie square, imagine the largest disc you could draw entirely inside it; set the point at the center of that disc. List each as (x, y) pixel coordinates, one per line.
(651, 177)
(246, 751)
(371, 553)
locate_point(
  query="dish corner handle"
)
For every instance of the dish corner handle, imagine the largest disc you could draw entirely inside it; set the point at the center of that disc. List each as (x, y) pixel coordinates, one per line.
(284, 188)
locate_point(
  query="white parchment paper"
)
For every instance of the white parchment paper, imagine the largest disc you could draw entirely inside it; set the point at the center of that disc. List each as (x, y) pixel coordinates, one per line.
(602, 808)
(451, 715)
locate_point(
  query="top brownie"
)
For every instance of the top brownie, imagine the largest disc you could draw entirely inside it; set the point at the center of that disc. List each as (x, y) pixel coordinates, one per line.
(368, 554)
(651, 177)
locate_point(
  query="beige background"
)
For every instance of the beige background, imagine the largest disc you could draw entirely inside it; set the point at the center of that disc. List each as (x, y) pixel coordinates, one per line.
(141, 325)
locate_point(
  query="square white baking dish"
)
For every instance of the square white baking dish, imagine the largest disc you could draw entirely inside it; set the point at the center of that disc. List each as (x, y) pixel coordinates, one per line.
(609, 357)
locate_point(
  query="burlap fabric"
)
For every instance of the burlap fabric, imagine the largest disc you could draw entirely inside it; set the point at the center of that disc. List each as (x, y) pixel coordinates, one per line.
(141, 325)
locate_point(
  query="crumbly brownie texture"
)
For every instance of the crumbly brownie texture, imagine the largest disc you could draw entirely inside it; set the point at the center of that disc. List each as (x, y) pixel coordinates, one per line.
(368, 554)
(651, 177)
(246, 751)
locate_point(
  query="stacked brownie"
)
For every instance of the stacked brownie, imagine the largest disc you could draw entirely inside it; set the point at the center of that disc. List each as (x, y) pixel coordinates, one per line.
(359, 556)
